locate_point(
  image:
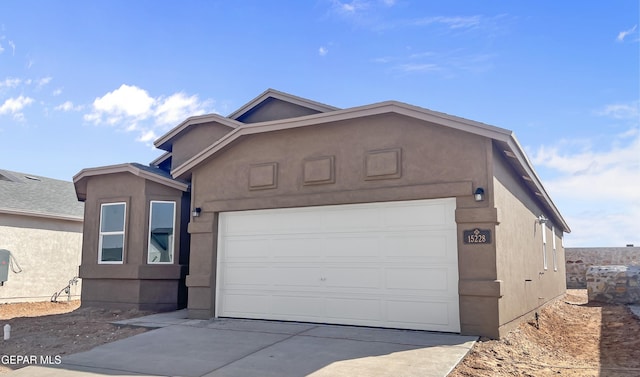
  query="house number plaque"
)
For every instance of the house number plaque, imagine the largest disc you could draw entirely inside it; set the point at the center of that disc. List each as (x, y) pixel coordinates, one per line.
(477, 236)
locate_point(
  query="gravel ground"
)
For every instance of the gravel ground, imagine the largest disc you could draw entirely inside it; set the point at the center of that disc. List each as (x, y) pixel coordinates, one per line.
(575, 338)
(47, 329)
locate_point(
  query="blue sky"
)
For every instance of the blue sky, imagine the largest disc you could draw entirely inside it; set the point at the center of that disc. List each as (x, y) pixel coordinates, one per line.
(93, 83)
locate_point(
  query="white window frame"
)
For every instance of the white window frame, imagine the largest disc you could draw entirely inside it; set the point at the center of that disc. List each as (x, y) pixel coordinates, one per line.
(173, 238)
(544, 246)
(122, 232)
(555, 252)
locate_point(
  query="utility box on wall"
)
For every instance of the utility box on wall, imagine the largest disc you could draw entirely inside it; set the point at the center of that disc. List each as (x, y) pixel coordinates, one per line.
(4, 265)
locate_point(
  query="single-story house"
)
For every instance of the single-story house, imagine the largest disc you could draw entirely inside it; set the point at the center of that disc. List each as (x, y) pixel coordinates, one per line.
(386, 215)
(41, 228)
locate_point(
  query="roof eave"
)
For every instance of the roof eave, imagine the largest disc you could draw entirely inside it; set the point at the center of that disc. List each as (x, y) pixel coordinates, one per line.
(79, 179)
(535, 180)
(52, 216)
(321, 107)
(164, 141)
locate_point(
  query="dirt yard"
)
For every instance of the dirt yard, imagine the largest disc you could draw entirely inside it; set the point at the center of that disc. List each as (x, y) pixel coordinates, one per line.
(574, 338)
(58, 329)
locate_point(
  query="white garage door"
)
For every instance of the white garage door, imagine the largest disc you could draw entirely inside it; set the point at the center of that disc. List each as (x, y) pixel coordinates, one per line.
(391, 264)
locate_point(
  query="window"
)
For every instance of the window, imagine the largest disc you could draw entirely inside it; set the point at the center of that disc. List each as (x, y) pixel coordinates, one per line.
(555, 252)
(112, 221)
(544, 246)
(162, 217)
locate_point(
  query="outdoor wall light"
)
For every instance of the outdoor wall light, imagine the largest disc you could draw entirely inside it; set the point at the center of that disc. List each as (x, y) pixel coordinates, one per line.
(196, 212)
(478, 195)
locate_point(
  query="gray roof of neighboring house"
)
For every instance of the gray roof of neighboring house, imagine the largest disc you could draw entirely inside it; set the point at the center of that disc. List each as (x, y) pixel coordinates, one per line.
(33, 195)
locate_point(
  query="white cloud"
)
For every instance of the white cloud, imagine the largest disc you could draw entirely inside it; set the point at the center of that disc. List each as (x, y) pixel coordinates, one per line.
(597, 190)
(445, 64)
(131, 108)
(623, 34)
(10, 82)
(43, 81)
(630, 110)
(350, 7)
(322, 51)
(612, 174)
(57, 92)
(419, 67)
(147, 137)
(13, 48)
(1, 49)
(126, 101)
(177, 107)
(68, 106)
(457, 22)
(14, 106)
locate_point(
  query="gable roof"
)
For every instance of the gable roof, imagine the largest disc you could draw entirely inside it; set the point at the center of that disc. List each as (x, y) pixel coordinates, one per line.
(165, 141)
(151, 173)
(286, 97)
(31, 195)
(505, 138)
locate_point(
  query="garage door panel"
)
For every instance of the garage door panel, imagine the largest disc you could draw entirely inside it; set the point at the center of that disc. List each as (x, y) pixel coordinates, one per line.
(420, 313)
(391, 264)
(353, 245)
(295, 248)
(336, 219)
(416, 245)
(351, 278)
(246, 248)
(345, 310)
(272, 222)
(296, 276)
(409, 216)
(418, 279)
(298, 306)
(245, 276)
(239, 305)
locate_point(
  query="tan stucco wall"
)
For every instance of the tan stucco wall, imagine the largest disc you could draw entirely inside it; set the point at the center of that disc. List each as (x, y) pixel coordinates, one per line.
(430, 155)
(194, 139)
(133, 283)
(519, 251)
(436, 162)
(48, 250)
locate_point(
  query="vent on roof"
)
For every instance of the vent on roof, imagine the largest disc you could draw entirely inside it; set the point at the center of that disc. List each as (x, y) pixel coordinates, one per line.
(32, 178)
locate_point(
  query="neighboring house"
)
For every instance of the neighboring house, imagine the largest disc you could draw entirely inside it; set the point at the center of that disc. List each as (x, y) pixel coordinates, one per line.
(41, 225)
(384, 215)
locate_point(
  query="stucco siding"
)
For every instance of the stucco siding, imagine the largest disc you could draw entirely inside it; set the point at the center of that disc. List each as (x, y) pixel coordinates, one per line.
(198, 137)
(428, 154)
(47, 250)
(519, 249)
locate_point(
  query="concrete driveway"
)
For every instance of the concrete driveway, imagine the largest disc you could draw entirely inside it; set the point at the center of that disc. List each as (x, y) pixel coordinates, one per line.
(244, 348)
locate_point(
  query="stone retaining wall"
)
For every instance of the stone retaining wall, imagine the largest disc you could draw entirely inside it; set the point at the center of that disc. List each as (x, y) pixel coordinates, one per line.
(578, 260)
(614, 284)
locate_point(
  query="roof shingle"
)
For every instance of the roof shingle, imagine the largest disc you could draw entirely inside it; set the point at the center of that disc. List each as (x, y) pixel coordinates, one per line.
(38, 196)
